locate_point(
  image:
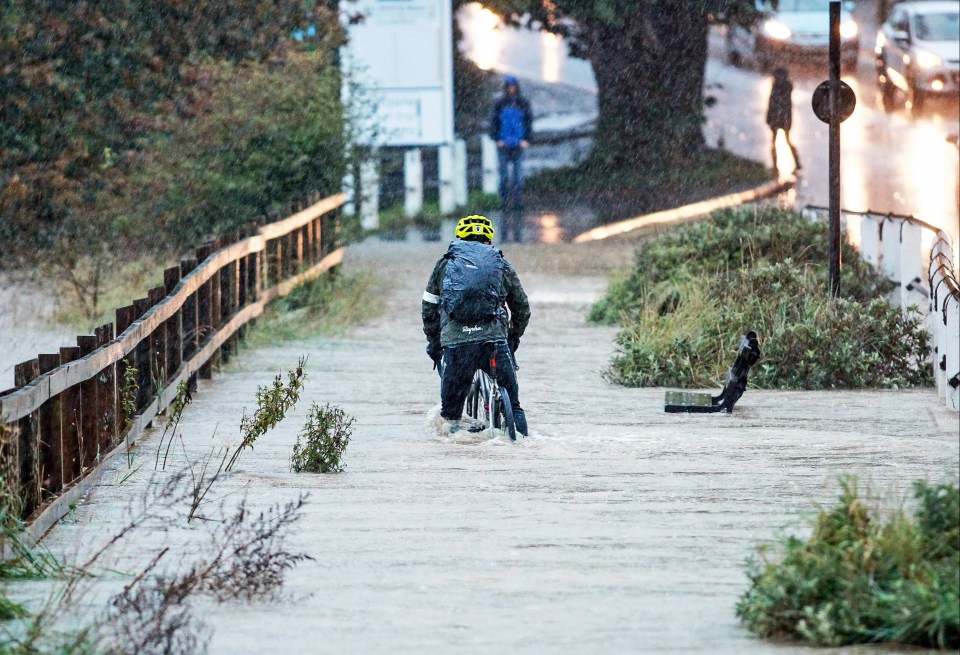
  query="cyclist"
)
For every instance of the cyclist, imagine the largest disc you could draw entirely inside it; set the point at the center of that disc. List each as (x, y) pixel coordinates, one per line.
(464, 310)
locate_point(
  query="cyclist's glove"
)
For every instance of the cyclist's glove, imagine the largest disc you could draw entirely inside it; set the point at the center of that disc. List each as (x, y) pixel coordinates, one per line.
(514, 343)
(434, 352)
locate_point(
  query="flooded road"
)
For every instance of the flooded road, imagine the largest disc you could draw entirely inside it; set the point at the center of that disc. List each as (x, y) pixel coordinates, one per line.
(614, 528)
(891, 162)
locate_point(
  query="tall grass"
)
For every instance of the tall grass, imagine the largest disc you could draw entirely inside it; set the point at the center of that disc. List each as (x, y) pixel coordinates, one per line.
(328, 305)
(859, 579)
(692, 294)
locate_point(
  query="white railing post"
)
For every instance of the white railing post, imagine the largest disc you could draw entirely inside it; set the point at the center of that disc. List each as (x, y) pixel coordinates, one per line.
(412, 183)
(870, 239)
(370, 194)
(446, 173)
(952, 332)
(460, 172)
(488, 161)
(890, 256)
(911, 267)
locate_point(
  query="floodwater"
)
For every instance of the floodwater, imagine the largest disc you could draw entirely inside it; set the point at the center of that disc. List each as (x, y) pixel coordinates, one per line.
(25, 327)
(891, 162)
(613, 528)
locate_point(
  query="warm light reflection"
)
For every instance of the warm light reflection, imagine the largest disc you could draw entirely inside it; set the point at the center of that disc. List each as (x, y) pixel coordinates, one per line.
(930, 162)
(854, 168)
(482, 35)
(785, 163)
(551, 57)
(550, 230)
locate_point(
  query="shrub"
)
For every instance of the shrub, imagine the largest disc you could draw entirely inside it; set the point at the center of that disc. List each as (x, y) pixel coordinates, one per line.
(686, 328)
(732, 239)
(324, 439)
(267, 135)
(857, 580)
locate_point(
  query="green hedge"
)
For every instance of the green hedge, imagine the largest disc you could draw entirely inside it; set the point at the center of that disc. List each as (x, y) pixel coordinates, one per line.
(858, 580)
(692, 294)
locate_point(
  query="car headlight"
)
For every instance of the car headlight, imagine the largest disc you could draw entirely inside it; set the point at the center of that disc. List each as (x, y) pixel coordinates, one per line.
(848, 29)
(925, 59)
(776, 30)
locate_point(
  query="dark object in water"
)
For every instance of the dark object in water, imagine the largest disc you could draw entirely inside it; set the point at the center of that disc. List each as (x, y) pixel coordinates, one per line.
(735, 383)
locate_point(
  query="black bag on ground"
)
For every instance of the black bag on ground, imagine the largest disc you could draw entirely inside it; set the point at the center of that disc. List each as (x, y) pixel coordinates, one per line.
(473, 282)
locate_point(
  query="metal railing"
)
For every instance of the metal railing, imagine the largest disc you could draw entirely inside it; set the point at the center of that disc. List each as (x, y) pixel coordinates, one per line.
(894, 245)
(73, 410)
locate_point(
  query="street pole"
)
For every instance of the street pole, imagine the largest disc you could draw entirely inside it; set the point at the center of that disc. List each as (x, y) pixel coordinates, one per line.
(834, 165)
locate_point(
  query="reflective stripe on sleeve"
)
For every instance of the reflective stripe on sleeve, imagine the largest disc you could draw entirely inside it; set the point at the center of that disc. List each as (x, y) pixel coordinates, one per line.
(429, 297)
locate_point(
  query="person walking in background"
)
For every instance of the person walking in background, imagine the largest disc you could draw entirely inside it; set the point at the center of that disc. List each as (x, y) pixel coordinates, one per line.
(780, 113)
(511, 124)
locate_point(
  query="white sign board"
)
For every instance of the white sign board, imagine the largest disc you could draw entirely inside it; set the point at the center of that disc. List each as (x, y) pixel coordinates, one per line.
(401, 56)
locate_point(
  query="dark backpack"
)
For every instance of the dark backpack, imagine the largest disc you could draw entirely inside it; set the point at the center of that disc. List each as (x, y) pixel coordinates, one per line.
(473, 282)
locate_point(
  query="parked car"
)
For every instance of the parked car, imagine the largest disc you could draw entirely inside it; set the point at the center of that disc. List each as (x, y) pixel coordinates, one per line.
(918, 52)
(794, 30)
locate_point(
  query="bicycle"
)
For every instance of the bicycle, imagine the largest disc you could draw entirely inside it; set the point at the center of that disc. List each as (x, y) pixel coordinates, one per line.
(489, 403)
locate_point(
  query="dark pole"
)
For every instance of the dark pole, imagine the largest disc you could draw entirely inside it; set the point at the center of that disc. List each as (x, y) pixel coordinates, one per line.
(834, 166)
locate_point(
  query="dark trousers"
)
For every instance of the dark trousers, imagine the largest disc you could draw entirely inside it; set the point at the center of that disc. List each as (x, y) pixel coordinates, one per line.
(511, 177)
(457, 369)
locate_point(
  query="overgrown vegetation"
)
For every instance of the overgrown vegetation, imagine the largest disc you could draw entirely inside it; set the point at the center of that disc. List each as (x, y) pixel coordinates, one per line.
(322, 441)
(393, 218)
(860, 579)
(273, 403)
(621, 192)
(691, 294)
(327, 305)
(131, 133)
(241, 554)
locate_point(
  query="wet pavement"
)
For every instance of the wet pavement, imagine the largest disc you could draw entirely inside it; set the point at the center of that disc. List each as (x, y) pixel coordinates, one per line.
(613, 528)
(891, 162)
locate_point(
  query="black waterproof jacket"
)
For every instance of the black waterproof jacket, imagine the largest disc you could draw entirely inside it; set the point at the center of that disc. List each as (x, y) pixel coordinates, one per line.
(780, 110)
(446, 331)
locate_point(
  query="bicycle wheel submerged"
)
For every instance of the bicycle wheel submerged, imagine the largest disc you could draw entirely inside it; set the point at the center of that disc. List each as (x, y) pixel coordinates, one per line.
(503, 415)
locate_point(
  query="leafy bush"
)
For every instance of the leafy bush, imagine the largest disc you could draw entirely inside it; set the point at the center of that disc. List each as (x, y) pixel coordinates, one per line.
(266, 136)
(732, 239)
(325, 437)
(693, 292)
(856, 580)
(329, 304)
(684, 332)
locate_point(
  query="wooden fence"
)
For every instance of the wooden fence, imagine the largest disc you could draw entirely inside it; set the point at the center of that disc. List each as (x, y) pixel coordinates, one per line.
(73, 410)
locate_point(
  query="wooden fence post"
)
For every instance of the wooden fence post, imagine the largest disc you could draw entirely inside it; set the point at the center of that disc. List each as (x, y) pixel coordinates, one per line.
(51, 457)
(174, 325)
(106, 396)
(90, 410)
(159, 374)
(125, 318)
(29, 442)
(144, 355)
(70, 427)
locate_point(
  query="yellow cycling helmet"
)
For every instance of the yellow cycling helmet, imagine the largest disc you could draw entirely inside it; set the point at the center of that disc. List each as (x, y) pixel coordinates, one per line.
(475, 225)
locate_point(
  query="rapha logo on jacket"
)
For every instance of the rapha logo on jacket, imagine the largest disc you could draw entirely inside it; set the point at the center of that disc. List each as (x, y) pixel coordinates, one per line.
(471, 330)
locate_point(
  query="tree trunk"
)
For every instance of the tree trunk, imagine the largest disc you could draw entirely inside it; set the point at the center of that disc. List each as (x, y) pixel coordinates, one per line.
(650, 72)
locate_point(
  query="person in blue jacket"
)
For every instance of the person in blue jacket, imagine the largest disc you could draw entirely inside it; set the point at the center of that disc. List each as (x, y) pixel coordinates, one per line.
(511, 124)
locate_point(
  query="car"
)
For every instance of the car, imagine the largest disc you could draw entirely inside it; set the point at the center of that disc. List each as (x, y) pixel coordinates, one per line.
(918, 52)
(793, 30)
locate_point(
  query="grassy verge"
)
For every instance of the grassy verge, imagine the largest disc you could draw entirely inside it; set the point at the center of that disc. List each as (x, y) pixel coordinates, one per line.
(859, 579)
(392, 218)
(617, 193)
(88, 298)
(692, 293)
(328, 305)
